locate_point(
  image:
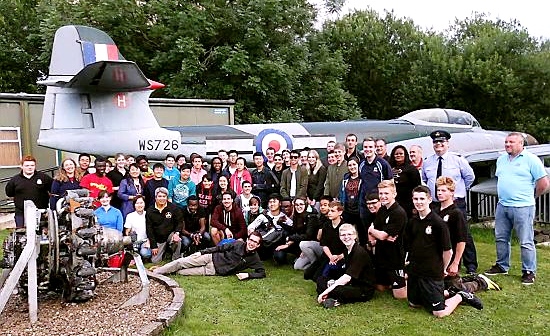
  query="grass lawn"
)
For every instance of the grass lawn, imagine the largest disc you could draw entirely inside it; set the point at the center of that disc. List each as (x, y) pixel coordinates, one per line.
(285, 304)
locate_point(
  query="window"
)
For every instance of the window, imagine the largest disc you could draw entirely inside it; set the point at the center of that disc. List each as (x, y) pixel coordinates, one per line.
(10, 147)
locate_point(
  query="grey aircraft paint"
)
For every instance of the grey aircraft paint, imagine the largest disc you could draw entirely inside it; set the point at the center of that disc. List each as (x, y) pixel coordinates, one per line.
(97, 102)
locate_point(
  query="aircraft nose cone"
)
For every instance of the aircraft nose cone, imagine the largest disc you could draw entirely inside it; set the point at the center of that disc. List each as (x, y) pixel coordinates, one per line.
(155, 85)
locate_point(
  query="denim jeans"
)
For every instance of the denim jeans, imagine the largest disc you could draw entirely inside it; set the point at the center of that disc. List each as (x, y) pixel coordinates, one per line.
(521, 220)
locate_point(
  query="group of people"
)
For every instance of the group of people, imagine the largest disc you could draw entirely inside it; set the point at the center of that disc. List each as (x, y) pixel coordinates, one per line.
(359, 222)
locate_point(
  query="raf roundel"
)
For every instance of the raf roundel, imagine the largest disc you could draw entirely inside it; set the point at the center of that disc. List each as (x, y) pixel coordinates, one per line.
(270, 137)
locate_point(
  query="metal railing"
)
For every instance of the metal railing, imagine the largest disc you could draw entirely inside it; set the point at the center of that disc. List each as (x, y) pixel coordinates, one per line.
(483, 206)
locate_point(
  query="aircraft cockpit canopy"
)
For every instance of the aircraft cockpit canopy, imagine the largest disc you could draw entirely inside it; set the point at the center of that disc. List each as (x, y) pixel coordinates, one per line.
(441, 116)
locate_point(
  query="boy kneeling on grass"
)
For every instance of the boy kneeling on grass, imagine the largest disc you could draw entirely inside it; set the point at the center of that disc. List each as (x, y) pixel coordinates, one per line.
(428, 243)
(228, 259)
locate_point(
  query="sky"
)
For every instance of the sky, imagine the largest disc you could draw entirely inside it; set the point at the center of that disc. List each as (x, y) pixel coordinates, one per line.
(439, 15)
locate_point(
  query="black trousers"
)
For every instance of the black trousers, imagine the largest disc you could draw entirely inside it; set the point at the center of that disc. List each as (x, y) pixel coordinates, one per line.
(346, 293)
(469, 257)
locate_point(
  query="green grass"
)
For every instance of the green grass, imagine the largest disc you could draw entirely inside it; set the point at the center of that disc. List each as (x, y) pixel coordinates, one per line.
(3, 235)
(285, 304)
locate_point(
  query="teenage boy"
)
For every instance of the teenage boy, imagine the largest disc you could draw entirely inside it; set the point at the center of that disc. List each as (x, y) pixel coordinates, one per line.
(97, 181)
(84, 163)
(428, 244)
(197, 172)
(336, 172)
(231, 166)
(333, 248)
(28, 185)
(181, 188)
(387, 230)
(156, 182)
(271, 223)
(294, 179)
(170, 170)
(270, 156)
(195, 231)
(263, 179)
(372, 171)
(452, 216)
(311, 248)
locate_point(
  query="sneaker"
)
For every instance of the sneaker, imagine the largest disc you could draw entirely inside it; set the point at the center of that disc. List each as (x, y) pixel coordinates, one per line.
(491, 285)
(330, 303)
(528, 278)
(495, 270)
(471, 299)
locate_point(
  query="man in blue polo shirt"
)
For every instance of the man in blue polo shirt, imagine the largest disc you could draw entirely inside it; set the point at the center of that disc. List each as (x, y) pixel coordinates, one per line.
(521, 178)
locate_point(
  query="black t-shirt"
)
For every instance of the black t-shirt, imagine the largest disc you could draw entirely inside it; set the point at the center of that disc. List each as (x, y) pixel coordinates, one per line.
(389, 255)
(455, 222)
(330, 237)
(359, 267)
(425, 240)
(191, 220)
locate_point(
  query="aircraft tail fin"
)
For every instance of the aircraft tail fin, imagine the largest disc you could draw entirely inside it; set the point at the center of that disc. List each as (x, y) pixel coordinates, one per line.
(87, 58)
(91, 88)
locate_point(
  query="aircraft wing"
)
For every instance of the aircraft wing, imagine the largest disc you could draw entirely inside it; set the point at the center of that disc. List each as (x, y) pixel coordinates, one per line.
(492, 155)
(115, 75)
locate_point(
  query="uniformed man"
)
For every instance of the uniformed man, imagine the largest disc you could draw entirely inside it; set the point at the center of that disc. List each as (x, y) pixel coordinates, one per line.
(443, 163)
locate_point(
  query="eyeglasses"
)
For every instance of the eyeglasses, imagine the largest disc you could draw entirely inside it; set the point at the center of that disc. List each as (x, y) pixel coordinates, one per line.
(438, 141)
(347, 234)
(294, 156)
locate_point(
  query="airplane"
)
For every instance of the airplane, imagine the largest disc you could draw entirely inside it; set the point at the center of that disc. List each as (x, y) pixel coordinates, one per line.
(97, 102)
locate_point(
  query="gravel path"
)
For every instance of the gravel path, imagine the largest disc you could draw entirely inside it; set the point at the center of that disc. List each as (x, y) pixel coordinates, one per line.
(98, 316)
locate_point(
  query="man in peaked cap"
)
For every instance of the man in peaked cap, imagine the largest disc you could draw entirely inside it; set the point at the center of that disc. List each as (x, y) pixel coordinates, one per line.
(443, 163)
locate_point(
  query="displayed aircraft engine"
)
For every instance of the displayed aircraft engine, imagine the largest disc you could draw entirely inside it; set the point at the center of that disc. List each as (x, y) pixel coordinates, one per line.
(72, 247)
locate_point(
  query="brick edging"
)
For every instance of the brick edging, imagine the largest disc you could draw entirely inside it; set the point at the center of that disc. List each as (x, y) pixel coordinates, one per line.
(169, 313)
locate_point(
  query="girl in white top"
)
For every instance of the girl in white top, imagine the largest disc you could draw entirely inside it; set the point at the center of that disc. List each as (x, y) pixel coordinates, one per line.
(135, 222)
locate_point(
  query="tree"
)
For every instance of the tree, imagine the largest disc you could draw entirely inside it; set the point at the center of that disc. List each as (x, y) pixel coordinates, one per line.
(19, 49)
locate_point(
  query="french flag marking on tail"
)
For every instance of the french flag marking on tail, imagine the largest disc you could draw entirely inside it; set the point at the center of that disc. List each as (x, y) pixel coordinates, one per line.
(93, 52)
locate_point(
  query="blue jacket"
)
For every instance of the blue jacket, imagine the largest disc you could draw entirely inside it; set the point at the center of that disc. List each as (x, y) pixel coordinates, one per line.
(125, 190)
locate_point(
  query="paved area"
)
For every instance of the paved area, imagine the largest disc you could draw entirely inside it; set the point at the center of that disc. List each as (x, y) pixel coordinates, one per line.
(6, 221)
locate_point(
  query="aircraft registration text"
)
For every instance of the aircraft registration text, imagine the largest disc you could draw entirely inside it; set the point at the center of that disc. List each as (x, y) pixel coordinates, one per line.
(158, 144)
